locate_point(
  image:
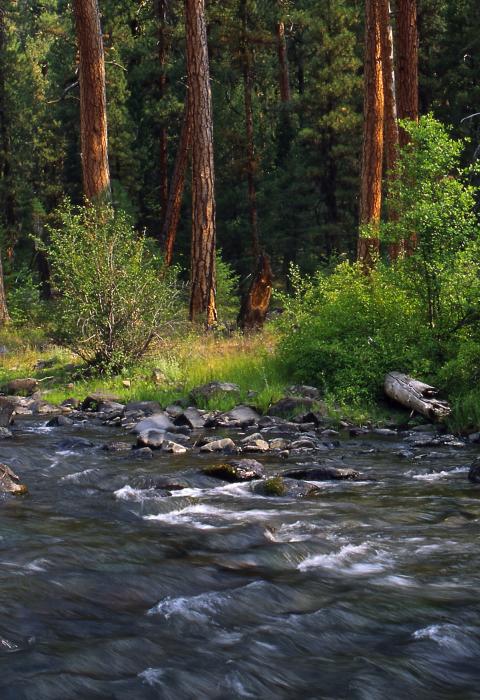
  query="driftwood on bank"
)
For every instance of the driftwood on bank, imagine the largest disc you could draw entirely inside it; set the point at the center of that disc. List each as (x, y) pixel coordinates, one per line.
(257, 300)
(416, 396)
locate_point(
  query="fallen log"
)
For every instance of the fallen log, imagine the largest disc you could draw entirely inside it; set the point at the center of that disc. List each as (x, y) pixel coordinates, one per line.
(416, 395)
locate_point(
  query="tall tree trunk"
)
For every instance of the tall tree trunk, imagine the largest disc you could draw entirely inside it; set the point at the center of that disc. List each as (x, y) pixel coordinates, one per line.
(372, 158)
(407, 63)
(7, 213)
(202, 298)
(177, 183)
(247, 72)
(161, 7)
(390, 133)
(284, 75)
(93, 101)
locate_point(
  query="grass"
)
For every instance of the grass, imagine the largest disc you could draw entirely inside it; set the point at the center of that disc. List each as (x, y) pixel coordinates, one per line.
(171, 370)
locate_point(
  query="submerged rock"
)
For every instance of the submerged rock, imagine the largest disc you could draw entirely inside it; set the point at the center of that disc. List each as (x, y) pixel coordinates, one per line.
(320, 473)
(240, 470)
(60, 421)
(75, 443)
(161, 483)
(280, 486)
(5, 433)
(191, 417)
(10, 482)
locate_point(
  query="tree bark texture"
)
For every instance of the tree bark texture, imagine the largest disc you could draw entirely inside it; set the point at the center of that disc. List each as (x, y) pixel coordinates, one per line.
(6, 202)
(407, 63)
(202, 298)
(372, 157)
(161, 10)
(247, 71)
(257, 300)
(416, 396)
(93, 101)
(177, 183)
(284, 74)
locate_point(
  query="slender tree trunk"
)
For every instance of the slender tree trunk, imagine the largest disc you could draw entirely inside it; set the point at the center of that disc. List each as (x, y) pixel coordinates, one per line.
(202, 299)
(161, 7)
(407, 63)
(6, 199)
(247, 72)
(284, 74)
(93, 101)
(390, 134)
(372, 159)
(177, 183)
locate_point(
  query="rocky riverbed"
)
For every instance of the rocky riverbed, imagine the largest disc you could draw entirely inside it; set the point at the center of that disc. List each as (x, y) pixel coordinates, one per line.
(185, 554)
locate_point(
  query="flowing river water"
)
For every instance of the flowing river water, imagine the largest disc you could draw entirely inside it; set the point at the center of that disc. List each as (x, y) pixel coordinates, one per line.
(367, 591)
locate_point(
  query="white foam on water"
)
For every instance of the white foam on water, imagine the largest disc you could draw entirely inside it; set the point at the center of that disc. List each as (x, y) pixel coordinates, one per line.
(37, 565)
(293, 532)
(448, 636)
(193, 515)
(77, 476)
(128, 493)
(434, 476)
(198, 608)
(346, 560)
(234, 490)
(399, 581)
(152, 676)
(67, 453)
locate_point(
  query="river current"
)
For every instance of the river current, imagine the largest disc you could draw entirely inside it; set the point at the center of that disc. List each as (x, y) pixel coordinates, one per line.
(366, 592)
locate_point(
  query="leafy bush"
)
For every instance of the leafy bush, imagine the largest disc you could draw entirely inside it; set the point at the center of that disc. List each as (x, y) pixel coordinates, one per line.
(344, 331)
(23, 297)
(114, 296)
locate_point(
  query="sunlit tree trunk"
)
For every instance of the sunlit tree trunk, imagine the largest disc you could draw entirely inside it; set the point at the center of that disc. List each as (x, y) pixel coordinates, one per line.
(202, 295)
(372, 158)
(177, 183)
(284, 73)
(93, 101)
(247, 71)
(406, 40)
(161, 8)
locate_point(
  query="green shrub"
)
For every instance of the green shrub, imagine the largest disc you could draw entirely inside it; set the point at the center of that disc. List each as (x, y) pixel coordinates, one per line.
(227, 298)
(114, 296)
(23, 297)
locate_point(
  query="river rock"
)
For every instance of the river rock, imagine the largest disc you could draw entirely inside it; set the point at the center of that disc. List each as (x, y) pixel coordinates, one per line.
(5, 433)
(70, 403)
(322, 473)
(157, 421)
(239, 470)
(117, 446)
(142, 453)
(173, 447)
(214, 390)
(60, 421)
(283, 487)
(21, 386)
(174, 410)
(474, 473)
(6, 412)
(239, 417)
(224, 445)
(289, 405)
(75, 443)
(279, 444)
(256, 446)
(304, 391)
(43, 408)
(93, 402)
(156, 438)
(145, 407)
(10, 482)
(191, 417)
(161, 483)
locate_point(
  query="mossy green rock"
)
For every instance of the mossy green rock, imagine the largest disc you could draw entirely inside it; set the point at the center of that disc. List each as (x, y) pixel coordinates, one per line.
(279, 486)
(238, 470)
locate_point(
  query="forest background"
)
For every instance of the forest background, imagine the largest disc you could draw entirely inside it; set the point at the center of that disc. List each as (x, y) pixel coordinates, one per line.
(301, 153)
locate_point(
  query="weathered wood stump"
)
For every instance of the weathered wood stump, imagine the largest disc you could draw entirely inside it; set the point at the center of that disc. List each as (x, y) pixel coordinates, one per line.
(416, 395)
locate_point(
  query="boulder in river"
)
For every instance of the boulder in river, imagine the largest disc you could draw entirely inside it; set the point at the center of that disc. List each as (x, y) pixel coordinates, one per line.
(238, 417)
(224, 445)
(60, 421)
(322, 473)
(173, 447)
(22, 386)
(279, 486)
(10, 482)
(239, 470)
(157, 421)
(93, 402)
(145, 407)
(5, 433)
(474, 473)
(191, 417)
(161, 483)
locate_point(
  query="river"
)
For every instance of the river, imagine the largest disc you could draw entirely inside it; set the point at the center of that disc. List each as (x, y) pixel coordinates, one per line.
(366, 592)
